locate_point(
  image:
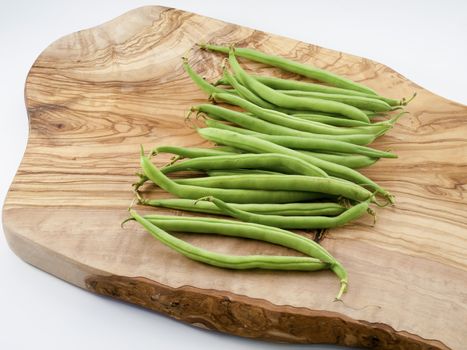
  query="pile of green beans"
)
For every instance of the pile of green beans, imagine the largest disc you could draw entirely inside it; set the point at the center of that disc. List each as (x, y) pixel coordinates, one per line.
(284, 158)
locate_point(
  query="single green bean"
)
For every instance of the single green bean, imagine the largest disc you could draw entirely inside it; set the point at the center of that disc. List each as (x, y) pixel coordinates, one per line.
(282, 182)
(294, 67)
(245, 92)
(288, 209)
(356, 139)
(371, 104)
(237, 262)
(292, 122)
(287, 84)
(331, 120)
(256, 145)
(316, 144)
(292, 102)
(203, 84)
(234, 196)
(191, 152)
(294, 222)
(275, 162)
(240, 172)
(252, 231)
(350, 161)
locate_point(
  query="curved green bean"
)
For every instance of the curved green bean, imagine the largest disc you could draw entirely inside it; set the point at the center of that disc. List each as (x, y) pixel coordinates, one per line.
(245, 93)
(237, 262)
(245, 230)
(203, 84)
(294, 67)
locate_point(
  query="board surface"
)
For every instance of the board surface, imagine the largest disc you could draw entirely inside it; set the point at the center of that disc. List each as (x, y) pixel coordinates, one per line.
(94, 96)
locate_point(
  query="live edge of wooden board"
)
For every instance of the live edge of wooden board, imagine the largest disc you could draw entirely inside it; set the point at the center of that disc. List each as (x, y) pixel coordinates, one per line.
(94, 96)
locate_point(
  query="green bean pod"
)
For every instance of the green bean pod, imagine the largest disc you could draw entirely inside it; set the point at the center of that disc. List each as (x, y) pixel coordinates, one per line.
(240, 172)
(245, 93)
(331, 120)
(237, 262)
(287, 209)
(288, 84)
(292, 102)
(252, 231)
(282, 182)
(356, 139)
(275, 162)
(350, 161)
(294, 67)
(324, 145)
(294, 222)
(370, 104)
(202, 84)
(292, 122)
(256, 145)
(233, 196)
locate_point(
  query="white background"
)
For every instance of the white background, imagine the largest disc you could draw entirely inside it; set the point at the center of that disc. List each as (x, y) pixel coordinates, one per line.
(424, 40)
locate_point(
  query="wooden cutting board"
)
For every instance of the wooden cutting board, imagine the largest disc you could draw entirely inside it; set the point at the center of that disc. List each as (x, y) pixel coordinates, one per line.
(94, 96)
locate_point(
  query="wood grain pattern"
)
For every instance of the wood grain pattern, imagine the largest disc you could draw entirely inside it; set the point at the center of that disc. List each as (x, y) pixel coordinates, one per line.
(94, 96)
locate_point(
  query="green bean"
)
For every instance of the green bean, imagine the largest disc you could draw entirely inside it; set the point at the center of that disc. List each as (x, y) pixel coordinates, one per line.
(226, 149)
(330, 120)
(288, 209)
(294, 67)
(352, 139)
(192, 152)
(292, 102)
(287, 84)
(350, 161)
(240, 172)
(328, 146)
(252, 231)
(371, 104)
(234, 196)
(294, 222)
(245, 92)
(282, 182)
(316, 144)
(238, 262)
(261, 126)
(275, 162)
(291, 122)
(256, 145)
(203, 84)
(184, 152)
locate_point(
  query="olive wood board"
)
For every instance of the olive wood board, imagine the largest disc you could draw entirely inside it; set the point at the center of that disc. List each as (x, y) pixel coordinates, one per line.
(94, 96)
